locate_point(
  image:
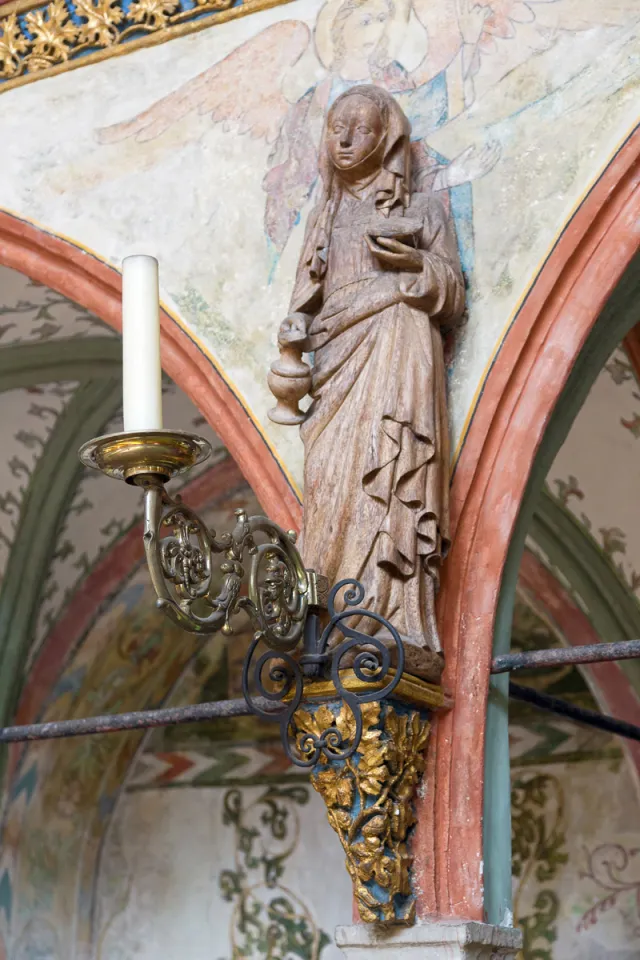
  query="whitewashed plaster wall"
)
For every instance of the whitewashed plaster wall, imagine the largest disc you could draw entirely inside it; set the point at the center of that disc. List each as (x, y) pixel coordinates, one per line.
(577, 895)
(170, 858)
(553, 97)
(175, 878)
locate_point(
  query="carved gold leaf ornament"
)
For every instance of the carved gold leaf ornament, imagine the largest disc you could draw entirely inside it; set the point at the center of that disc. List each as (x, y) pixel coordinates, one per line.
(53, 32)
(12, 44)
(102, 17)
(39, 40)
(153, 13)
(369, 800)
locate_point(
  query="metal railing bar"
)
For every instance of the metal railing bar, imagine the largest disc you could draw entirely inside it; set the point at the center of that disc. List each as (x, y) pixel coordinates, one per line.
(565, 709)
(138, 720)
(591, 653)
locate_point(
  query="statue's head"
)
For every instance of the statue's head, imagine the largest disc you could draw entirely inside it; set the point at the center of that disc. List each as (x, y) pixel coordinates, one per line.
(366, 131)
(366, 135)
(355, 132)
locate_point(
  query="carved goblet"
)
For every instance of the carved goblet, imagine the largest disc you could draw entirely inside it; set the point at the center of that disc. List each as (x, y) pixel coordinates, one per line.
(290, 377)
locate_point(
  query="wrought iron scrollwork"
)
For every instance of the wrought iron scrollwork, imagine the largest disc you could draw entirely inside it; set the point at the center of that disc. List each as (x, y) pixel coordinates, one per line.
(279, 677)
(289, 646)
(302, 632)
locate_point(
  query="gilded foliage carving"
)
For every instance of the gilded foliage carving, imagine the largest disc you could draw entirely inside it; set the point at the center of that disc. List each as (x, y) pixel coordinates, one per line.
(46, 38)
(369, 800)
(153, 13)
(52, 32)
(102, 19)
(13, 44)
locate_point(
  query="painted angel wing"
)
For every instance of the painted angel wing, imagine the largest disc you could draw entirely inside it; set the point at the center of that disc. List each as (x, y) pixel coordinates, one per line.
(513, 31)
(293, 172)
(242, 91)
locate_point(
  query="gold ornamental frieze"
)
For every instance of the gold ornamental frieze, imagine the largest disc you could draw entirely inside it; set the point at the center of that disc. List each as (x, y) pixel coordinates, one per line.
(39, 40)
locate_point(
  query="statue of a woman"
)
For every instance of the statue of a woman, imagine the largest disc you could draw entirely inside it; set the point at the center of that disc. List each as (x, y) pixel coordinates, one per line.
(378, 275)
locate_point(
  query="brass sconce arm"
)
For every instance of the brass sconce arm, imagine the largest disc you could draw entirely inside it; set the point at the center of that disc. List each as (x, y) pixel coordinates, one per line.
(180, 551)
(263, 576)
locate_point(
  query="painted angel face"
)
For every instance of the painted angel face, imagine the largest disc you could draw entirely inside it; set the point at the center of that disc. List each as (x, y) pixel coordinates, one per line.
(364, 28)
(354, 131)
(359, 35)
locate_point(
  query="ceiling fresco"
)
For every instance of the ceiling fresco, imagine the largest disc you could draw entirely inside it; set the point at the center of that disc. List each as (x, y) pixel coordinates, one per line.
(596, 474)
(575, 790)
(64, 792)
(575, 815)
(247, 98)
(585, 530)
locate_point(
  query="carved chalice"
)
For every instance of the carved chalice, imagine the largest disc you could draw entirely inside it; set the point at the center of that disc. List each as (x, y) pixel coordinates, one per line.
(290, 377)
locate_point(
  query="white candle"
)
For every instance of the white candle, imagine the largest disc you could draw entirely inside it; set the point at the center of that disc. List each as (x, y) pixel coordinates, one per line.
(141, 370)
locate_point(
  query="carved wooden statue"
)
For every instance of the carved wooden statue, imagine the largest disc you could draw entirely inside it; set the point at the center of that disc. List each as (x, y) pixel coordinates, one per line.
(378, 275)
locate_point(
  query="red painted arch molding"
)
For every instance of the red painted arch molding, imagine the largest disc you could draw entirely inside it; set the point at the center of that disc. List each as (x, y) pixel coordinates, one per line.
(96, 286)
(508, 425)
(519, 395)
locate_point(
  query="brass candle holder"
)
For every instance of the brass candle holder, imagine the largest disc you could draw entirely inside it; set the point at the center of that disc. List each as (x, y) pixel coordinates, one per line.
(181, 562)
(159, 453)
(346, 712)
(282, 599)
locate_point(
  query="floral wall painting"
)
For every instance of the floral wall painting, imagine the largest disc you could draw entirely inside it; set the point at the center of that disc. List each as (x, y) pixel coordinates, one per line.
(259, 894)
(202, 840)
(234, 114)
(575, 810)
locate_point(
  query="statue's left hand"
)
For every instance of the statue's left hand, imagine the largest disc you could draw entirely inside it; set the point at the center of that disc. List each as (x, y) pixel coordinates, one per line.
(394, 253)
(293, 328)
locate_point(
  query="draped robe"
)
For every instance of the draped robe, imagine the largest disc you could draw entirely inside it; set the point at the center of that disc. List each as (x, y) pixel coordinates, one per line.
(376, 436)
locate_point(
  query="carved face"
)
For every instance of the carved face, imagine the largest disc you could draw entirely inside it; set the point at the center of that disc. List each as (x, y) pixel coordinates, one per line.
(354, 131)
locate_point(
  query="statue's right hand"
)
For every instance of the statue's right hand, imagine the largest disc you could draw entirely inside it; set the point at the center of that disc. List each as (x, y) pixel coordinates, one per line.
(293, 328)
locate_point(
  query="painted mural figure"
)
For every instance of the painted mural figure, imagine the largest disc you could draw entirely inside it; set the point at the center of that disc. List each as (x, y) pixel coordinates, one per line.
(378, 275)
(278, 85)
(353, 42)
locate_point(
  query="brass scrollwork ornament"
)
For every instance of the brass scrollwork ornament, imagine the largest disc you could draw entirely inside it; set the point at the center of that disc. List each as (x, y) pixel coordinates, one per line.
(364, 752)
(264, 577)
(180, 549)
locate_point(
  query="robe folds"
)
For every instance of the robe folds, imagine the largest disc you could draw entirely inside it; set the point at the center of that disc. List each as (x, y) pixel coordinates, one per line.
(376, 436)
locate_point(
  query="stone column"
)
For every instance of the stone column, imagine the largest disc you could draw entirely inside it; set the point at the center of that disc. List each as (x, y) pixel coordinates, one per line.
(439, 940)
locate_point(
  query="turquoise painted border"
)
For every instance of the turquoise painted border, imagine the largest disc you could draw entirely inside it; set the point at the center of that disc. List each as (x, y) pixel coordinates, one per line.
(612, 608)
(620, 315)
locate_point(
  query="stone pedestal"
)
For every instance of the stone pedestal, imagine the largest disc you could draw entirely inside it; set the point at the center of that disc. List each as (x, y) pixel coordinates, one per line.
(439, 940)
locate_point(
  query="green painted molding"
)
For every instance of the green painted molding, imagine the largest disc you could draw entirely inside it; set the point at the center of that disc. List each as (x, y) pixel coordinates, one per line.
(72, 358)
(620, 314)
(48, 497)
(611, 606)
